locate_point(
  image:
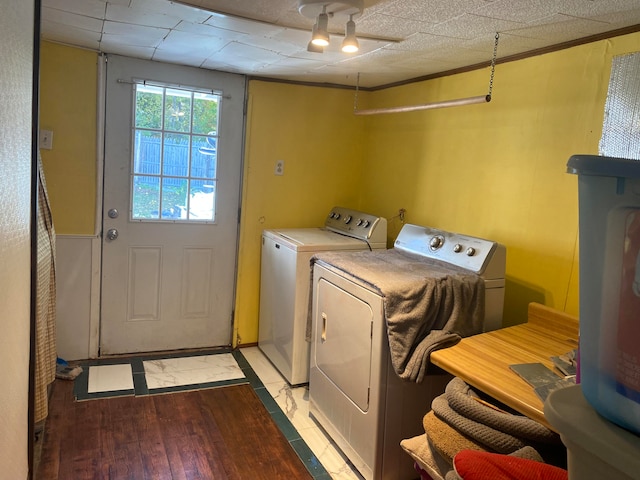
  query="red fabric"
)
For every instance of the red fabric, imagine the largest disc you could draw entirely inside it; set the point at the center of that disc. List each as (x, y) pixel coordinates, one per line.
(474, 465)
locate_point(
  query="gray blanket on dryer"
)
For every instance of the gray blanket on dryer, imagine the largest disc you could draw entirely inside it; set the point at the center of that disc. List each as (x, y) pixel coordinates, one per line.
(427, 304)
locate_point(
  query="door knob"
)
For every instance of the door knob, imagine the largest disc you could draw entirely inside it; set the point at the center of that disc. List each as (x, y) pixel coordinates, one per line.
(113, 213)
(112, 234)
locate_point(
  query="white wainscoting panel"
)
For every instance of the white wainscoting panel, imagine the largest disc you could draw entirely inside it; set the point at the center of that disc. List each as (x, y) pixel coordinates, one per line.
(78, 293)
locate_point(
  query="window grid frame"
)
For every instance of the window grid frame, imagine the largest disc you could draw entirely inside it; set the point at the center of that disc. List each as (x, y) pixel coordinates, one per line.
(161, 176)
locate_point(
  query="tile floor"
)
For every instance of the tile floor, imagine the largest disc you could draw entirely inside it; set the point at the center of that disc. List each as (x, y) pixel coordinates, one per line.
(287, 405)
(294, 402)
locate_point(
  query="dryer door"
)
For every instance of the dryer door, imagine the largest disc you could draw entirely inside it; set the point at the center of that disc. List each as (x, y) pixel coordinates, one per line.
(343, 333)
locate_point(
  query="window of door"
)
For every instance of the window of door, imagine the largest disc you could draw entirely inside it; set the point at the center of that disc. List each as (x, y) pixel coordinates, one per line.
(175, 155)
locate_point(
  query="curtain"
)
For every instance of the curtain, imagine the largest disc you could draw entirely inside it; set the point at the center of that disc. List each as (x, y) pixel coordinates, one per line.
(46, 301)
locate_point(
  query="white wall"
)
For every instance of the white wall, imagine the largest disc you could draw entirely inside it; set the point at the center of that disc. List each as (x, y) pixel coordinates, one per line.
(78, 291)
(16, 66)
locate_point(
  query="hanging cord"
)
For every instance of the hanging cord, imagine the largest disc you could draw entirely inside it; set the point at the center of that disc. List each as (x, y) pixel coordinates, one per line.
(493, 64)
(355, 99)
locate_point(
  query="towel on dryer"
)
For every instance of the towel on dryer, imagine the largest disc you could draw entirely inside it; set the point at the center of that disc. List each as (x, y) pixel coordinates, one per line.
(428, 304)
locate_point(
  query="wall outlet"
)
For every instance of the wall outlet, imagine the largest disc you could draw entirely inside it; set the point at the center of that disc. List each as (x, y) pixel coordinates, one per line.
(279, 167)
(46, 139)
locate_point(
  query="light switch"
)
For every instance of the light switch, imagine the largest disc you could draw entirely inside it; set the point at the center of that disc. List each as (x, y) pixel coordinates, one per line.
(46, 139)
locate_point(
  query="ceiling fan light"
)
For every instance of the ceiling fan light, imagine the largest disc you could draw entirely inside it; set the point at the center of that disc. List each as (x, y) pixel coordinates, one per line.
(350, 43)
(320, 35)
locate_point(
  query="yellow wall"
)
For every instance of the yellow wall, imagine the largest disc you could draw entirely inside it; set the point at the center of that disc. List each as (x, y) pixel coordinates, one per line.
(495, 171)
(68, 92)
(314, 131)
(499, 170)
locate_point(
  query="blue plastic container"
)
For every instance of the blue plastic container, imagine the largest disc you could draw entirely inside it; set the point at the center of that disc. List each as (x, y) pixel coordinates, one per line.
(609, 231)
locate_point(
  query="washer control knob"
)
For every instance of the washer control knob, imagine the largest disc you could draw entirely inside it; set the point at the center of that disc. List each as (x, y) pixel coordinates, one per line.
(436, 242)
(470, 252)
(336, 216)
(457, 248)
(347, 219)
(366, 223)
(359, 222)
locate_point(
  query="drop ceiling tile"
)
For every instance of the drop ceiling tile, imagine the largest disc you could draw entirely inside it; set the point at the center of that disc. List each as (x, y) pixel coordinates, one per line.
(328, 56)
(380, 58)
(72, 20)
(621, 19)
(136, 35)
(292, 35)
(118, 13)
(89, 8)
(508, 44)
(560, 28)
(247, 65)
(593, 8)
(431, 11)
(250, 51)
(373, 25)
(513, 11)
(294, 19)
(273, 44)
(471, 26)
(109, 44)
(70, 35)
(267, 10)
(331, 74)
(173, 9)
(206, 30)
(186, 58)
(183, 43)
(245, 57)
(417, 41)
(216, 62)
(227, 22)
(366, 80)
(289, 66)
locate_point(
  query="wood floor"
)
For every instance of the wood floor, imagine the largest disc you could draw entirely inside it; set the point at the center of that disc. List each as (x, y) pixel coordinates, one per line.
(220, 433)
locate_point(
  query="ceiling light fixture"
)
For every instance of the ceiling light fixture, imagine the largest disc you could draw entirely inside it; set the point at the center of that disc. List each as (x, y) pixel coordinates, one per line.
(350, 43)
(340, 10)
(312, 47)
(320, 37)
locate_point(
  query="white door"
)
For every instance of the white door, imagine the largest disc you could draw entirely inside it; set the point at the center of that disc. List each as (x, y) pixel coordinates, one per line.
(173, 147)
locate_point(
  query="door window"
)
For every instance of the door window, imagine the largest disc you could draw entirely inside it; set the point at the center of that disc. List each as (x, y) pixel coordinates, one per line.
(175, 154)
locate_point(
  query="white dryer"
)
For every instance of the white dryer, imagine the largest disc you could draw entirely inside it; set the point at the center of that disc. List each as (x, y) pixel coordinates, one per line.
(285, 282)
(355, 393)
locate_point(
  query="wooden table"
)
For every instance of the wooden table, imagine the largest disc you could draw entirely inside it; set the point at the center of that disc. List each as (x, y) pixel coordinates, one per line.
(483, 360)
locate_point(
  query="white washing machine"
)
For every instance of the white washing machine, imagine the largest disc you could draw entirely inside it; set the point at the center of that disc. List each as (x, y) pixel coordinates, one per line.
(355, 393)
(285, 282)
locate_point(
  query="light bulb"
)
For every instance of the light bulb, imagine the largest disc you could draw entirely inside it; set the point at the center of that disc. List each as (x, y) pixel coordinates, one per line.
(350, 43)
